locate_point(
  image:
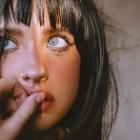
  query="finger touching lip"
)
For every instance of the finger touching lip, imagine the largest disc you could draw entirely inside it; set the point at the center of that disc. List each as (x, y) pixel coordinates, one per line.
(48, 101)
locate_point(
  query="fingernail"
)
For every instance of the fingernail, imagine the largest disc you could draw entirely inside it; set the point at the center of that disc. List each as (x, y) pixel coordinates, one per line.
(40, 97)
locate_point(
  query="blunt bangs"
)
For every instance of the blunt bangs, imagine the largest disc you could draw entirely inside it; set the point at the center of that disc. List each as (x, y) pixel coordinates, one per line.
(20, 11)
(59, 12)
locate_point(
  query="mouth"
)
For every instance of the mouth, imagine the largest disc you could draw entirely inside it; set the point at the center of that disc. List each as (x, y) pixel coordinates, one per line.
(48, 101)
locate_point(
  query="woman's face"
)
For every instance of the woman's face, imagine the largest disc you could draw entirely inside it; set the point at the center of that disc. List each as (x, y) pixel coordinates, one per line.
(45, 60)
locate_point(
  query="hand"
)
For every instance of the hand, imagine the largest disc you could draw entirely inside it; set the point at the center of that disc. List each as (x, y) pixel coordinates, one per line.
(10, 91)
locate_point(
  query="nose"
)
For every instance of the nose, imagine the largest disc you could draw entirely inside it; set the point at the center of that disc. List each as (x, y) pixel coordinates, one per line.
(35, 69)
(34, 75)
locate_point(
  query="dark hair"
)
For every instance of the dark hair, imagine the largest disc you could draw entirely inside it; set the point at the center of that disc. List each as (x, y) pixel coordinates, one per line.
(81, 18)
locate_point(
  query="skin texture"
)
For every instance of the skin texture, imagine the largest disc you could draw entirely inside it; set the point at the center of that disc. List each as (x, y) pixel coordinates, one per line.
(41, 68)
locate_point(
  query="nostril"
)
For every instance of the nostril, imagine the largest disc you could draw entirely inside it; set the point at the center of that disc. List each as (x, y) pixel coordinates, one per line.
(24, 76)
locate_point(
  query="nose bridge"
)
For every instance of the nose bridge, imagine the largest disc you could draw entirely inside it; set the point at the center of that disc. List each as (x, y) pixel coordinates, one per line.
(33, 49)
(34, 56)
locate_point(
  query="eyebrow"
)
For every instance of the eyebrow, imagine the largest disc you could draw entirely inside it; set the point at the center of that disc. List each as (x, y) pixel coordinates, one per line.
(12, 31)
(18, 32)
(54, 30)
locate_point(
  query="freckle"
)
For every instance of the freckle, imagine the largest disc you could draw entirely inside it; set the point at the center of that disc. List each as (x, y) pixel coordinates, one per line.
(59, 54)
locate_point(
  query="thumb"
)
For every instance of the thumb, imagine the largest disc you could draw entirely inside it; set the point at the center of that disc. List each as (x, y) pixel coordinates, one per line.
(15, 124)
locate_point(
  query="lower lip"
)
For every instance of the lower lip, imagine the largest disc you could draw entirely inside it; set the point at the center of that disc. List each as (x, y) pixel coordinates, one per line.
(45, 105)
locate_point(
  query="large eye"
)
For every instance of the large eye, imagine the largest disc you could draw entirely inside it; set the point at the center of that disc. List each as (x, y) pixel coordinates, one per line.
(57, 42)
(9, 44)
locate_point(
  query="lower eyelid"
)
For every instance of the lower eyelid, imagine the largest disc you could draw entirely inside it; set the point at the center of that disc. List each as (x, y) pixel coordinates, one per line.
(59, 49)
(8, 51)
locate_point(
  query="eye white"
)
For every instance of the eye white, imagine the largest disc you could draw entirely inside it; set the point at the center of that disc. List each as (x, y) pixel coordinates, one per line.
(9, 44)
(57, 42)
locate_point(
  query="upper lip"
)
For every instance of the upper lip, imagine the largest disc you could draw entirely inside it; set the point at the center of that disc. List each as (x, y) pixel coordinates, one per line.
(48, 96)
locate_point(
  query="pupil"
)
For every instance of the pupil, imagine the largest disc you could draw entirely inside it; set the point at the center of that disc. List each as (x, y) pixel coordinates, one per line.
(54, 41)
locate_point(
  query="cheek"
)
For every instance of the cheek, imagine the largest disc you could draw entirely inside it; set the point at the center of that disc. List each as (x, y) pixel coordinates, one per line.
(13, 64)
(64, 83)
(10, 67)
(65, 69)
(64, 77)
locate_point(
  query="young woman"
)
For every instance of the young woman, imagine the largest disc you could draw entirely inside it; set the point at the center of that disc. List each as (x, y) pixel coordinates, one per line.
(54, 52)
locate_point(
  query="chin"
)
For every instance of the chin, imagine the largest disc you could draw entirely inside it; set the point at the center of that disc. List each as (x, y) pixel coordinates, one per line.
(39, 123)
(43, 122)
